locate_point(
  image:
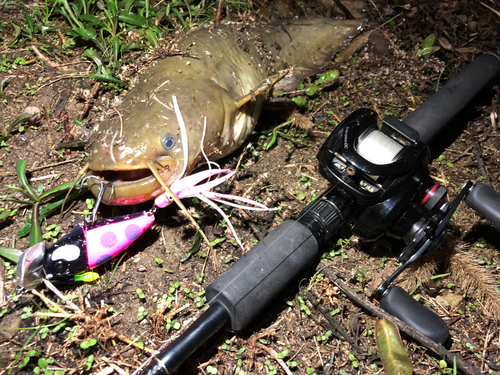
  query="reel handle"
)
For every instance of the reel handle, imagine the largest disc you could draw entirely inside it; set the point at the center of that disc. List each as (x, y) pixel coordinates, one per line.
(396, 301)
(434, 114)
(486, 201)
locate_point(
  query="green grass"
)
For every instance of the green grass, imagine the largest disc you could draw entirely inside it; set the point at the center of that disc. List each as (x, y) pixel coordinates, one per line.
(109, 32)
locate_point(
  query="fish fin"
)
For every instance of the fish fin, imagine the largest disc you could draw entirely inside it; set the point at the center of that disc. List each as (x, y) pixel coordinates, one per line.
(261, 87)
(360, 41)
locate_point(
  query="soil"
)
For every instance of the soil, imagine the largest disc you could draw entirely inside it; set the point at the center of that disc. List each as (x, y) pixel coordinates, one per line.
(459, 282)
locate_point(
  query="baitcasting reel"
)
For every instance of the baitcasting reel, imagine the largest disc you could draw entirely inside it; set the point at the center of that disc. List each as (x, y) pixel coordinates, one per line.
(383, 173)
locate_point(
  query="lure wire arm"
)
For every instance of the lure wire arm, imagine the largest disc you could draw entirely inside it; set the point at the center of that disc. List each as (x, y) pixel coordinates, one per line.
(102, 189)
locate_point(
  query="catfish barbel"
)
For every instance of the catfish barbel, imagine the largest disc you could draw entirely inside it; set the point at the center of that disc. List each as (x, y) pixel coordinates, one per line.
(218, 81)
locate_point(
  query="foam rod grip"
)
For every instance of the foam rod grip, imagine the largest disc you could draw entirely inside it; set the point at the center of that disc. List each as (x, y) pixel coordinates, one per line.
(262, 273)
(485, 200)
(435, 113)
(400, 304)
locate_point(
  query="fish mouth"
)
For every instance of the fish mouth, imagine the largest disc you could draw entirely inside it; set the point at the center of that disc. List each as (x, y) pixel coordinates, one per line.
(127, 187)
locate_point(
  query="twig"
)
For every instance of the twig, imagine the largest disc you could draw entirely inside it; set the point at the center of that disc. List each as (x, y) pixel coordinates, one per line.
(2, 284)
(218, 15)
(86, 107)
(80, 174)
(43, 58)
(275, 356)
(361, 300)
(41, 178)
(56, 291)
(44, 167)
(336, 325)
(60, 78)
(319, 352)
(163, 183)
(51, 305)
(490, 8)
(238, 163)
(252, 226)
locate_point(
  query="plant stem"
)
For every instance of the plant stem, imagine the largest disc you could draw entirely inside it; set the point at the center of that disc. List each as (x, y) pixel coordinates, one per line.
(71, 14)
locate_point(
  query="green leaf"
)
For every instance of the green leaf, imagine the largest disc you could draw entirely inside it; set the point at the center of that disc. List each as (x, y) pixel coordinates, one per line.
(17, 34)
(10, 253)
(195, 248)
(140, 293)
(21, 173)
(301, 101)
(429, 41)
(427, 51)
(300, 195)
(272, 141)
(56, 190)
(392, 352)
(90, 18)
(152, 36)
(106, 77)
(428, 46)
(42, 362)
(18, 121)
(217, 241)
(90, 360)
(328, 76)
(48, 210)
(312, 89)
(7, 213)
(133, 19)
(88, 33)
(116, 47)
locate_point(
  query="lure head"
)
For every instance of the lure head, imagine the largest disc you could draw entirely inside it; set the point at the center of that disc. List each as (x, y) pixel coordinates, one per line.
(30, 267)
(148, 128)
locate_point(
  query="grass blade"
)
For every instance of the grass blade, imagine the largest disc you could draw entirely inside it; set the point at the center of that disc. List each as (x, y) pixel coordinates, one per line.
(106, 77)
(21, 173)
(36, 229)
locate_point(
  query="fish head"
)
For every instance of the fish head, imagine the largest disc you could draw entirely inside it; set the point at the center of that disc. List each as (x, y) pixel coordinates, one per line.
(119, 158)
(149, 130)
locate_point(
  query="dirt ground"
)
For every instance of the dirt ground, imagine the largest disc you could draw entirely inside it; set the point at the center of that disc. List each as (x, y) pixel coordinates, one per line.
(460, 283)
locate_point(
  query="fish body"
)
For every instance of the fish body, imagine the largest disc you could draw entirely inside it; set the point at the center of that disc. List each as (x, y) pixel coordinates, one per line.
(219, 66)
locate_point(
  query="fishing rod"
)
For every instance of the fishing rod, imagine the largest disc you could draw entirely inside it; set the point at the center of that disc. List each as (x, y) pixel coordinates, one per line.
(381, 180)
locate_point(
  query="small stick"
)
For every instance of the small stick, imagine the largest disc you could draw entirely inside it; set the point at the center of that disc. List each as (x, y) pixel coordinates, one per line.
(48, 302)
(60, 78)
(331, 319)
(43, 58)
(218, 15)
(56, 291)
(2, 284)
(86, 107)
(275, 356)
(163, 183)
(44, 167)
(319, 352)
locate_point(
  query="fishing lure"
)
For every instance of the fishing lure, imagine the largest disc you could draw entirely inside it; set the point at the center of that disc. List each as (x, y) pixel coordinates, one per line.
(86, 247)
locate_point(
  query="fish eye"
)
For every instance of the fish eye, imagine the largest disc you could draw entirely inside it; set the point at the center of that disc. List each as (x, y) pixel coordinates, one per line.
(168, 142)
